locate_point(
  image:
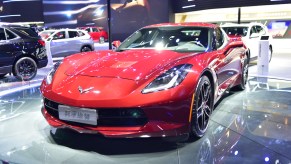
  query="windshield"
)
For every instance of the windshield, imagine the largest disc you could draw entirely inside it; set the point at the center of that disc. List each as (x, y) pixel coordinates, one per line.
(46, 34)
(236, 31)
(189, 39)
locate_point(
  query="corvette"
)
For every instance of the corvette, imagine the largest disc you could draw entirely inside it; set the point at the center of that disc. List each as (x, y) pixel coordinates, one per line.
(162, 81)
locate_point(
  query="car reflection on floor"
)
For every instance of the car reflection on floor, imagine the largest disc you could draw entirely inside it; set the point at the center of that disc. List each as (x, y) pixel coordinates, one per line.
(250, 126)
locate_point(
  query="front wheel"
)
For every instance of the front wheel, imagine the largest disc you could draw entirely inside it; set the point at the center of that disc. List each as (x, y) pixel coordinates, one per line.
(202, 107)
(270, 53)
(25, 69)
(86, 49)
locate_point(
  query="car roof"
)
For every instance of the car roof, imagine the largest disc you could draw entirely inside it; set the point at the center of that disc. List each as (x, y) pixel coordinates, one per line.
(89, 27)
(199, 24)
(54, 30)
(240, 25)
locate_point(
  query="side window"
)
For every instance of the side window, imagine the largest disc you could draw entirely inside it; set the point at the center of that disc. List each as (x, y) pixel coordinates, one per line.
(73, 34)
(87, 29)
(260, 30)
(253, 30)
(2, 34)
(10, 35)
(219, 39)
(94, 29)
(80, 33)
(60, 35)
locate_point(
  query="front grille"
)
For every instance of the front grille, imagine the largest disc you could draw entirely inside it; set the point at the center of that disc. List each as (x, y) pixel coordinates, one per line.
(117, 117)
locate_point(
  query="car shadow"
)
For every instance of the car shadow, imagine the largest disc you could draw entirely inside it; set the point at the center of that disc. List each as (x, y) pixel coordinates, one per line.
(110, 146)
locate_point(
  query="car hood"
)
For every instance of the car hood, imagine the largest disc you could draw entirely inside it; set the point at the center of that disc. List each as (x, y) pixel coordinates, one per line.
(130, 64)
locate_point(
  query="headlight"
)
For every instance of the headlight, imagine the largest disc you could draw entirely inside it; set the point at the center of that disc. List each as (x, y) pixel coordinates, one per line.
(169, 79)
(52, 72)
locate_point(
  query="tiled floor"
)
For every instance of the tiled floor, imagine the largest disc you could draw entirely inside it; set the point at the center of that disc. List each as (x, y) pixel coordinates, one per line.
(252, 126)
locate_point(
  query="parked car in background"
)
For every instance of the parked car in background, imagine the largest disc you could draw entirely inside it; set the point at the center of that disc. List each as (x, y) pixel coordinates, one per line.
(65, 42)
(22, 51)
(98, 34)
(251, 33)
(162, 81)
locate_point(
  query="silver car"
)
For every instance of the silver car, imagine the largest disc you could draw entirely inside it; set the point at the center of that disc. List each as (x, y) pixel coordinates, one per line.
(65, 42)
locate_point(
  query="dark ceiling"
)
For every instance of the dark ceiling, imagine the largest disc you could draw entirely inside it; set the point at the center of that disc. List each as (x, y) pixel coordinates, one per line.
(180, 6)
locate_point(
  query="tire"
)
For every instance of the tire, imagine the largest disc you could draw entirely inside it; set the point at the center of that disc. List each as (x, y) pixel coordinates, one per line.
(86, 49)
(202, 107)
(244, 77)
(270, 54)
(25, 69)
(101, 39)
(248, 56)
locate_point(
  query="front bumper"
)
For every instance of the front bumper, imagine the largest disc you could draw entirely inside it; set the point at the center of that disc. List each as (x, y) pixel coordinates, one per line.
(155, 125)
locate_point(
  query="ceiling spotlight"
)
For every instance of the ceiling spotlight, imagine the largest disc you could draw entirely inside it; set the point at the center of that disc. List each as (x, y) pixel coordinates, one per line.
(184, 7)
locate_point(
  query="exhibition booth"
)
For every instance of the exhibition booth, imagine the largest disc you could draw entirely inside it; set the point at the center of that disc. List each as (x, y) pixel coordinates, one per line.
(145, 81)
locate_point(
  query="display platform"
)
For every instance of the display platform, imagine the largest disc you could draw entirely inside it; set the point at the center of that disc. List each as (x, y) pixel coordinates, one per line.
(251, 126)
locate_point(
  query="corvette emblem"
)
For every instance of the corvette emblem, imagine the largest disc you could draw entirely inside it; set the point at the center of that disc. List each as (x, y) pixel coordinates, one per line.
(81, 90)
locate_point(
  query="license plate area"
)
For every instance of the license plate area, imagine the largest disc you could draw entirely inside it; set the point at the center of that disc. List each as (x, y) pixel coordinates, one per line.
(80, 115)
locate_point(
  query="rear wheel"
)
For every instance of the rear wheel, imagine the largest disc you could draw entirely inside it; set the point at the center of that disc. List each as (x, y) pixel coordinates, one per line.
(202, 107)
(101, 39)
(86, 49)
(244, 77)
(248, 53)
(270, 54)
(25, 69)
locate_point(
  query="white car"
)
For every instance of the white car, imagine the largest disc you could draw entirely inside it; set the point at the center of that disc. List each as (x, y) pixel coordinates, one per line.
(65, 42)
(251, 33)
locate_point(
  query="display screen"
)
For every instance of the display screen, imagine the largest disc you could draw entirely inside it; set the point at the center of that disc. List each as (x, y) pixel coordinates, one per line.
(21, 11)
(72, 14)
(128, 16)
(1, 7)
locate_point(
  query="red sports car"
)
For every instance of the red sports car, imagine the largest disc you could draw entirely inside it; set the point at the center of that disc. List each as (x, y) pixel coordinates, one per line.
(98, 34)
(162, 81)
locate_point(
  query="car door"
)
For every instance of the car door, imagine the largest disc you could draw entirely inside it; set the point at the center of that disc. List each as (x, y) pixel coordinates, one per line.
(228, 64)
(95, 33)
(253, 42)
(59, 44)
(75, 41)
(9, 48)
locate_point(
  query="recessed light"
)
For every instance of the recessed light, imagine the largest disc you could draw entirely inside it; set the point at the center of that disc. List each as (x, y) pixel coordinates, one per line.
(184, 7)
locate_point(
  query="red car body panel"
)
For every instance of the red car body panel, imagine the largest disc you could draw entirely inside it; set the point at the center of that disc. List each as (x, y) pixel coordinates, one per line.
(117, 79)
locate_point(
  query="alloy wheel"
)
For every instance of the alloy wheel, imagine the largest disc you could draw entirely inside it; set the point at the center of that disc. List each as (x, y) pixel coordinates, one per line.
(25, 69)
(202, 107)
(85, 49)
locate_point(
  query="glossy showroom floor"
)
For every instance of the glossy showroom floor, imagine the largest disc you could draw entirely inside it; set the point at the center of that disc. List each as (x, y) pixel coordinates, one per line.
(252, 126)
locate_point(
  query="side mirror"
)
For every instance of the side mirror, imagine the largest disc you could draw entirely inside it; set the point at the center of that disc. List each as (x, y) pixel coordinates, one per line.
(254, 35)
(115, 44)
(233, 44)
